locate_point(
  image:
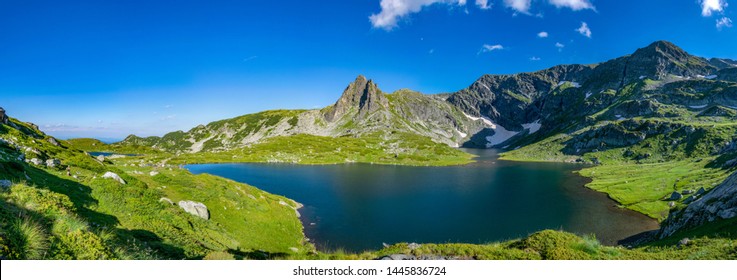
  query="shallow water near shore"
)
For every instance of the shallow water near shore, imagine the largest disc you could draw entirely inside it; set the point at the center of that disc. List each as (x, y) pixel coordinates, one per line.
(358, 207)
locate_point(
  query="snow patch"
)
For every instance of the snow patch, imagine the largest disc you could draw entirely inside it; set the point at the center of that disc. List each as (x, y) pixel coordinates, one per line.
(485, 86)
(463, 135)
(698, 106)
(501, 134)
(588, 94)
(485, 120)
(533, 126)
(642, 77)
(574, 84)
(711, 77)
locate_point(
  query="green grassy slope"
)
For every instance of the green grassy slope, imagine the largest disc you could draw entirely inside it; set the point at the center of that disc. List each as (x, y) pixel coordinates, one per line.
(48, 213)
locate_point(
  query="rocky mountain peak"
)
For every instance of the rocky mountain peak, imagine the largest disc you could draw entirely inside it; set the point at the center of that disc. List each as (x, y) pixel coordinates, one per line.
(661, 59)
(362, 94)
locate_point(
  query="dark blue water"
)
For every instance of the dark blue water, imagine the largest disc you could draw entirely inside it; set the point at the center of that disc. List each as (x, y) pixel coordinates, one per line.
(360, 206)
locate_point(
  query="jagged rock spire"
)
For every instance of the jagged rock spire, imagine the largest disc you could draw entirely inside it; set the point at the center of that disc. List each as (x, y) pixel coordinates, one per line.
(362, 94)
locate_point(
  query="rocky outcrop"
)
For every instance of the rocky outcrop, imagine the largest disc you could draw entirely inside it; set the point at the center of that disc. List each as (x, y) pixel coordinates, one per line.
(116, 177)
(36, 161)
(52, 163)
(718, 204)
(362, 94)
(3, 116)
(195, 208)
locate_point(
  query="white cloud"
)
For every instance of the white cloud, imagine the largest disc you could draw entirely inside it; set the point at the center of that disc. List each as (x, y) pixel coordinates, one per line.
(489, 48)
(724, 22)
(542, 34)
(710, 6)
(559, 46)
(393, 10)
(522, 6)
(534, 58)
(575, 5)
(483, 4)
(431, 51)
(584, 30)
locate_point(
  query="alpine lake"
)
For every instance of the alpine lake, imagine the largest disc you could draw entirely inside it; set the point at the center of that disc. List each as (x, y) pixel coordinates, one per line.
(358, 207)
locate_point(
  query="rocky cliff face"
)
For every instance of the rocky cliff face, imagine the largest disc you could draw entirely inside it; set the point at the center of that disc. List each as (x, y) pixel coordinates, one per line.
(718, 204)
(361, 94)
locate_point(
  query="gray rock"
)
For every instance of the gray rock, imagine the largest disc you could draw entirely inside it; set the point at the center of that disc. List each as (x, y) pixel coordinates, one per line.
(701, 191)
(53, 141)
(51, 163)
(675, 196)
(719, 203)
(153, 173)
(101, 158)
(684, 242)
(21, 157)
(116, 177)
(37, 161)
(414, 246)
(671, 204)
(195, 208)
(398, 257)
(5, 184)
(167, 200)
(3, 116)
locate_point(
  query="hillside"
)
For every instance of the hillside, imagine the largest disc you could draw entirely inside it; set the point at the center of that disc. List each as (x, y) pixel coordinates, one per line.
(57, 202)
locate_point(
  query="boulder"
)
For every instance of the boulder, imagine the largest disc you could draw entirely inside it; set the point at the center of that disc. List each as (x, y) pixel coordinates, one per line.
(675, 196)
(116, 177)
(398, 257)
(51, 163)
(3, 116)
(414, 246)
(4, 184)
(53, 141)
(101, 158)
(37, 161)
(195, 208)
(153, 173)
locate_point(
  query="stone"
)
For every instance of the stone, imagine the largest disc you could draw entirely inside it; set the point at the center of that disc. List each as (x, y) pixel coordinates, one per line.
(51, 163)
(53, 141)
(5, 184)
(675, 196)
(684, 242)
(398, 257)
(671, 204)
(116, 177)
(167, 200)
(701, 191)
(153, 173)
(293, 249)
(37, 161)
(414, 246)
(3, 116)
(101, 158)
(195, 208)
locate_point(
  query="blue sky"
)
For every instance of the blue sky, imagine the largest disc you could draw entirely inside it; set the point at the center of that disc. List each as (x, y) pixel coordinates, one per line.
(107, 69)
